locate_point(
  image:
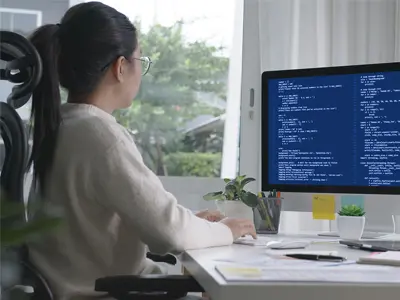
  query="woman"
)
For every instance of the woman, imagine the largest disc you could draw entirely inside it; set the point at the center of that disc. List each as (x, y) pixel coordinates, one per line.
(87, 164)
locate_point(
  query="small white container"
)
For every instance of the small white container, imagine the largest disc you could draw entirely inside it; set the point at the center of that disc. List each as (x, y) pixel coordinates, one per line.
(234, 209)
(350, 228)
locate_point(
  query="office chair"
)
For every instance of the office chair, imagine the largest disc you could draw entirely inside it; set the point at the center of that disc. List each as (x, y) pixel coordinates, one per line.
(23, 67)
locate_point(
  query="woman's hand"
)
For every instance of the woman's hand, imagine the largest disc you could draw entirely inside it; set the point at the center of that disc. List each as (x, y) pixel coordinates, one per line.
(210, 215)
(240, 227)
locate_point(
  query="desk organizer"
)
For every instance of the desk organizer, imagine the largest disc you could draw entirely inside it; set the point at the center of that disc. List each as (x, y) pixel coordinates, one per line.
(267, 215)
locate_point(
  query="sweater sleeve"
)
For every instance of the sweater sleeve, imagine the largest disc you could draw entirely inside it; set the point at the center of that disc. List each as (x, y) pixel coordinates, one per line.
(125, 185)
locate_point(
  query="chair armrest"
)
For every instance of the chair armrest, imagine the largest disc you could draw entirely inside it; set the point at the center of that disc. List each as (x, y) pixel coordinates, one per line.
(168, 258)
(148, 283)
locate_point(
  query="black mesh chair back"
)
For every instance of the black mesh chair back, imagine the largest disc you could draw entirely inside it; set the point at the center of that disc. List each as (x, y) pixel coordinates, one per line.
(24, 68)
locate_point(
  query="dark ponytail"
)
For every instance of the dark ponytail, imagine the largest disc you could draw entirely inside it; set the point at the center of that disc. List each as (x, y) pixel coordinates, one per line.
(75, 55)
(46, 101)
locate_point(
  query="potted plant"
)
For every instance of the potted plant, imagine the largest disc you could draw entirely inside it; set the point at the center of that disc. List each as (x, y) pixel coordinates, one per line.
(234, 201)
(14, 232)
(351, 222)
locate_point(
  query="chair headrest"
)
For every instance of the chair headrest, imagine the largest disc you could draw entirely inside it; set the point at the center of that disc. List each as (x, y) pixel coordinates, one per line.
(23, 67)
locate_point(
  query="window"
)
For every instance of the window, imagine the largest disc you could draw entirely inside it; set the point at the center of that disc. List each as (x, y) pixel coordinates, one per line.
(186, 117)
(178, 118)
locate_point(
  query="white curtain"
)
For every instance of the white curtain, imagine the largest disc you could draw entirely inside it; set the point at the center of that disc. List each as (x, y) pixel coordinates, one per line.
(319, 33)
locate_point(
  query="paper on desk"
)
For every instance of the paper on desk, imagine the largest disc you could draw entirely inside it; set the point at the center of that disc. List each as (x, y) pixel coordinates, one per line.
(348, 273)
(277, 258)
(263, 241)
(297, 251)
(323, 207)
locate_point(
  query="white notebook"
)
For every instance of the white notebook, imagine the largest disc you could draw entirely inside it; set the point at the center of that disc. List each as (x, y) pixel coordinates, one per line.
(390, 258)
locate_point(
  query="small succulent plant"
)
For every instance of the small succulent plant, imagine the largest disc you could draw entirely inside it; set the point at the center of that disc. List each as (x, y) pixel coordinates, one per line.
(351, 211)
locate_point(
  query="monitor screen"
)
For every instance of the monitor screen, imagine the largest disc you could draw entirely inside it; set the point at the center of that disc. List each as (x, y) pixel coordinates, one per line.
(333, 130)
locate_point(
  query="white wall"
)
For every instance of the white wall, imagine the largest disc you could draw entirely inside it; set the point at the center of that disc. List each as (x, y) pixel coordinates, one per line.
(290, 34)
(25, 19)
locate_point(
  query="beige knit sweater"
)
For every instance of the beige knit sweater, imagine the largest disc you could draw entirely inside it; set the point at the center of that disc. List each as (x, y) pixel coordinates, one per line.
(113, 207)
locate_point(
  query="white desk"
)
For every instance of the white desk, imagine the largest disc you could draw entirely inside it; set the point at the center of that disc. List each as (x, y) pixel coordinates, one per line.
(201, 265)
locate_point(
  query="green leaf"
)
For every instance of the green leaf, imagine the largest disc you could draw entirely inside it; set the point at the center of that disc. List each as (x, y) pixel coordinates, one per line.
(21, 234)
(221, 197)
(230, 191)
(213, 196)
(229, 188)
(227, 180)
(230, 196)
(11, 209)
(246, 181)
(240, 178)
(249, 199)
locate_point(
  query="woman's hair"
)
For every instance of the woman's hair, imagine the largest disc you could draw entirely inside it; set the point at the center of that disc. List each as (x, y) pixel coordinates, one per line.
(75, 54)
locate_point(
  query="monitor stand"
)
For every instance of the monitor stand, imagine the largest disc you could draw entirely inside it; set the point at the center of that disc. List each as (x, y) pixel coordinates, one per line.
(374, 229)
(366, 234)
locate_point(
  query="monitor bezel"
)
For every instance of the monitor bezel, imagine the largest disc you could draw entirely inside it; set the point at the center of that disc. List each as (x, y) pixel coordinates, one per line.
(311, 72)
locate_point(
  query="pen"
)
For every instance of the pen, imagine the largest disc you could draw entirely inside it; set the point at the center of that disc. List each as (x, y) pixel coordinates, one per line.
(317, 257)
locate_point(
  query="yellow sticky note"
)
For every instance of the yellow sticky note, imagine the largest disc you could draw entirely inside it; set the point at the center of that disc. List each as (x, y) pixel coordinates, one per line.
(242, 271)
(323, 207)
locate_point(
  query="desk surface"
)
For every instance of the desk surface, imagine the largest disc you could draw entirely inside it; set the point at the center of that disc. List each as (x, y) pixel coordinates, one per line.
(201, 264)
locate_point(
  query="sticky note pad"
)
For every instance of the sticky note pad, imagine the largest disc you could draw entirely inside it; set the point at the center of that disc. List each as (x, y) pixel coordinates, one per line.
(353, 200)
(323, 207)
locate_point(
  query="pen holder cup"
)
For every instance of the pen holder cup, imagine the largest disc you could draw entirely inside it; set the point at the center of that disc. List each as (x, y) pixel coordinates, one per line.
(396, 223)
(267, 215)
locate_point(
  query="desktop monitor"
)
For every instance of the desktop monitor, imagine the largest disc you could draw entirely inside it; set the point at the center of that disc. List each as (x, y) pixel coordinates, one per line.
(332, 130)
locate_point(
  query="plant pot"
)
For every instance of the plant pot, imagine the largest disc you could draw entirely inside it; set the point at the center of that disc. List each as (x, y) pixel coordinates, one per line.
(350, 228)
(234, 209)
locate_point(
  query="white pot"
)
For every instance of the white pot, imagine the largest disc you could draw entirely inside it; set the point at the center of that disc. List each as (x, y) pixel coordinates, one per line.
(350, 228)
(234, 209)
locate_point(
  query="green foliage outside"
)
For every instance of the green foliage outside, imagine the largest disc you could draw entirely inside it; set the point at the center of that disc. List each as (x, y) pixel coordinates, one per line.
(193, 164)
(351, 211)
(170, 97)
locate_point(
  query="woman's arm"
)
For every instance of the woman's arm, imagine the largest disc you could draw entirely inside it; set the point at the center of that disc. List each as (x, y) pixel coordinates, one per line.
(125, 185)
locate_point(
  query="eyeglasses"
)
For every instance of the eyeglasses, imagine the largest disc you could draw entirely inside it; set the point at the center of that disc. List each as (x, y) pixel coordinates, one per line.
(145, 60)
(146, 64)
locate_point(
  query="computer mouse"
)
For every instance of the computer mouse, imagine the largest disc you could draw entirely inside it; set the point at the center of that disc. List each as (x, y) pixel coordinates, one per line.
(287, 244)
